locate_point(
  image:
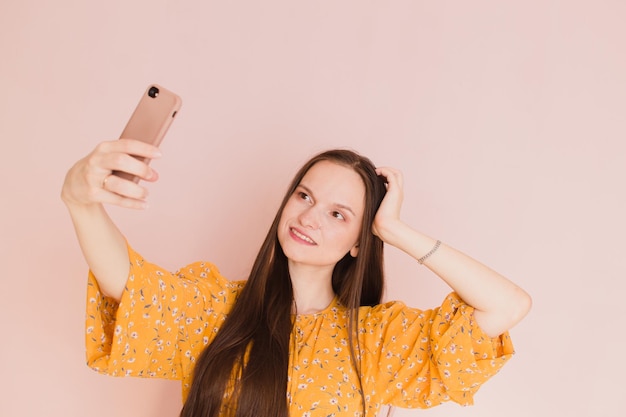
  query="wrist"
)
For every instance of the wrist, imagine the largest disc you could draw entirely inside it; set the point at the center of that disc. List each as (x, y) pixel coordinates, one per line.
(82, 209)
(430, 253)
(394, 233)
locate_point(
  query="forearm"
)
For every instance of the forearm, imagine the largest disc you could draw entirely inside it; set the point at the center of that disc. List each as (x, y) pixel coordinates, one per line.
(499, 303)
(89, 184)
(103, 246)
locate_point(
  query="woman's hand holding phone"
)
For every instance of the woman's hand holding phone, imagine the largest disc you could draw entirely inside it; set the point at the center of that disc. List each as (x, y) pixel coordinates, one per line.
(91, 180)
(111, 173)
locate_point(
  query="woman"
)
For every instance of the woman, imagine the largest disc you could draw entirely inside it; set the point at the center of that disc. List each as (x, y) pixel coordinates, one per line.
(306, 333)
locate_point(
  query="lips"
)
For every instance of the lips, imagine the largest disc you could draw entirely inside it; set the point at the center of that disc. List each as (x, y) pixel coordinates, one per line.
(301, 236)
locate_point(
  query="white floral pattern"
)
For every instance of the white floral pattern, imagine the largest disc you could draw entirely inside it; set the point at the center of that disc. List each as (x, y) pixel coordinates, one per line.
(408, 358)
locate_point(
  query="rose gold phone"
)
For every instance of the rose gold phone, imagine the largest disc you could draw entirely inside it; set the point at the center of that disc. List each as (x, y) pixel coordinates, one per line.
(151, 119)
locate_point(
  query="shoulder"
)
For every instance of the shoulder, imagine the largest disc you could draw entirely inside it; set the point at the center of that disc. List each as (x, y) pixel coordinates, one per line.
(451, 303)
(206, 273)
(387, 312)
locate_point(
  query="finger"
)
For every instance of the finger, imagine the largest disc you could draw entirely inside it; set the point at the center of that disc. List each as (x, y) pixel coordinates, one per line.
(117, 156)
(131, 147)
(388, 172)
(393, 176)
(124, 188)
(125, 202)
(129, 164)
(109, 197)
(105, 196)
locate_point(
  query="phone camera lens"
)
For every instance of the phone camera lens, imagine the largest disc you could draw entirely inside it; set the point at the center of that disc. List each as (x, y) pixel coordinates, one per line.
(153, 92)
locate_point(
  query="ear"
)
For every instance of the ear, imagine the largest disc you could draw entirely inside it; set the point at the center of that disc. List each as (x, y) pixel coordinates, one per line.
(354, 251)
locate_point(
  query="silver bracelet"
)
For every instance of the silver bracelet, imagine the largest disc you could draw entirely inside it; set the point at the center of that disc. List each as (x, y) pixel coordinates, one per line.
(433, 250)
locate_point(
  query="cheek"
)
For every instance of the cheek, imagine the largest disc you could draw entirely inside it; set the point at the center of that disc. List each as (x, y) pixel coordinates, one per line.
(348, 237)
(356, 233)
(281, 222)
(287, 213)
(288, 209)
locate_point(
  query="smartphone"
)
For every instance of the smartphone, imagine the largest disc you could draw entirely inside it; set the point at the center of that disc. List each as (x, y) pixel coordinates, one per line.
(151, 119)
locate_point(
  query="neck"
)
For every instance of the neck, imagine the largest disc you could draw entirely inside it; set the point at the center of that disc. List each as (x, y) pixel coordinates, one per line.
(312, 288)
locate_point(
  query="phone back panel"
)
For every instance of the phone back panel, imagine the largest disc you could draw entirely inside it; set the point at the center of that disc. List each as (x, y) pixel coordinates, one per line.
(152, 116)
(151, 119)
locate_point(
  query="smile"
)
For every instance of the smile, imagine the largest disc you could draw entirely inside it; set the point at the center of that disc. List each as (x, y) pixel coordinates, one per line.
(302, 236)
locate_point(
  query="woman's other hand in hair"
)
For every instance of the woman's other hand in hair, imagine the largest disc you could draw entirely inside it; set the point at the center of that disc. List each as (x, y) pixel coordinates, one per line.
(499, 303)
(387, 223)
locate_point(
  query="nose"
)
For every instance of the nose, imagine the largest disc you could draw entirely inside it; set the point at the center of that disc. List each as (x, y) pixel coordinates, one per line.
(310, 219)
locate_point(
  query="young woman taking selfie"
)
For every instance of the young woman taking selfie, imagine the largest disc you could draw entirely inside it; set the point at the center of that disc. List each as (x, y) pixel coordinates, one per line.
(307, 333)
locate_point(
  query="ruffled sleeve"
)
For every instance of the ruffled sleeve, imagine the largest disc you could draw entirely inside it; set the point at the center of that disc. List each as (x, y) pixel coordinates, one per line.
(162, 322)
(419, 359)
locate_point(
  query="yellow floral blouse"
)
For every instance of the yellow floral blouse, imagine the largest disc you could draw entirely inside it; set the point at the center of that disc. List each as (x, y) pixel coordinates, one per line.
(409, 358)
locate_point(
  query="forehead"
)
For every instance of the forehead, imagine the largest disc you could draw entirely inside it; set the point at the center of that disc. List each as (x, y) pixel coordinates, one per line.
(337, 183)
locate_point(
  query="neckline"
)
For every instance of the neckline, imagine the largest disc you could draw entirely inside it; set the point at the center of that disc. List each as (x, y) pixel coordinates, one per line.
(334, 302)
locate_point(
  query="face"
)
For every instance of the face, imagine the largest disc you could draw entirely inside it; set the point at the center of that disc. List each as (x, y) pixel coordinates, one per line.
(321, 221)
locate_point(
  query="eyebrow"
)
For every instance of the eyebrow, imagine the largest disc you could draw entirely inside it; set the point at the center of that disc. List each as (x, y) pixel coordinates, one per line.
(339, 205)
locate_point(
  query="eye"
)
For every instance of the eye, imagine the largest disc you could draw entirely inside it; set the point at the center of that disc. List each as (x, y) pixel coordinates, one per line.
(338, 215)
(304, 196)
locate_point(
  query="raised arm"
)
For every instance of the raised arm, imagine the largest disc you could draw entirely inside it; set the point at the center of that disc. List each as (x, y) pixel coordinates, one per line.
(89, 184)
(499, 304)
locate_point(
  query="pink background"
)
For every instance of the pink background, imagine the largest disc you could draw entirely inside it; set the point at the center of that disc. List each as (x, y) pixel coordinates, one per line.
(507, 119)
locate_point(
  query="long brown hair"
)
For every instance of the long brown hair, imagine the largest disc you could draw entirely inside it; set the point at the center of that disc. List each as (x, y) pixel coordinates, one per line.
(248, 359)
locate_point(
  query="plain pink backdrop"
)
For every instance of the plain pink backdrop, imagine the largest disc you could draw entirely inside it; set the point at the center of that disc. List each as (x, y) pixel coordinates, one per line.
(507, 119)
